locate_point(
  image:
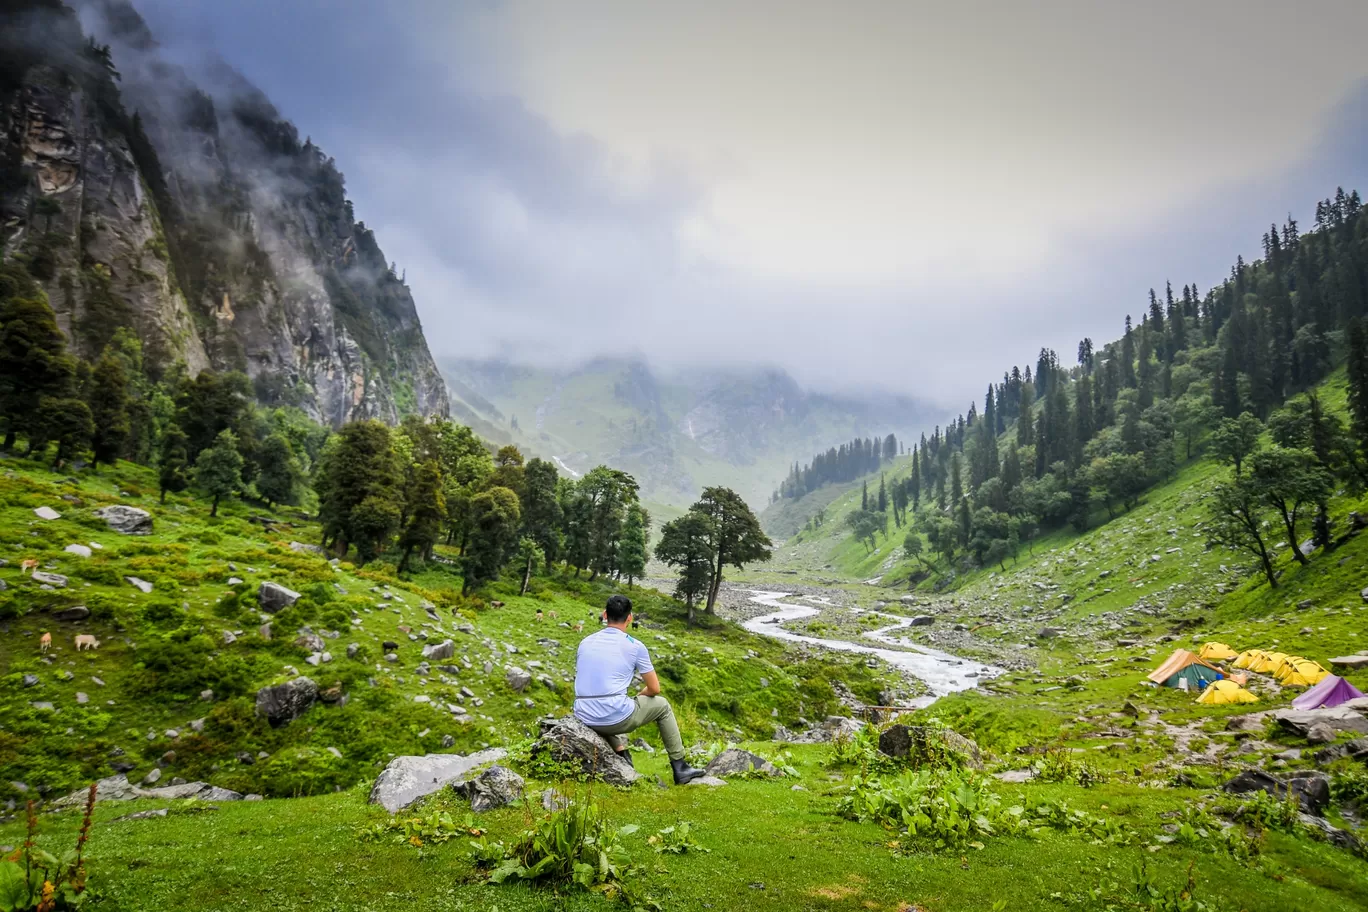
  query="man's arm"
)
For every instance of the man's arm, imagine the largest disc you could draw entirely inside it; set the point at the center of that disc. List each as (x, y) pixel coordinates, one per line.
(652, 683)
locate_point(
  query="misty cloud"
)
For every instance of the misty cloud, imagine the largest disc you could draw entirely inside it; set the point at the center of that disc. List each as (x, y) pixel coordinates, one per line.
(895, 198)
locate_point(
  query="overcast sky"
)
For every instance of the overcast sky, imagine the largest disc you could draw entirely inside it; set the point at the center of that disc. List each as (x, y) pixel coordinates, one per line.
(894, 193)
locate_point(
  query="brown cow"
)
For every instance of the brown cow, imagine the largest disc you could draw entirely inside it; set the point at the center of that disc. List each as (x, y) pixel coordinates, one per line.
(45, 642)
(85, 640)
(28, 566)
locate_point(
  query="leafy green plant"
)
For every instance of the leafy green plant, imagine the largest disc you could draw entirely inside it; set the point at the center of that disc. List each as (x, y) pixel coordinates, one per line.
(675, 840)
(571, 846)
(1060, 764)
(1142, 894)
(31, 879)
(1198, 828)
(437, 827)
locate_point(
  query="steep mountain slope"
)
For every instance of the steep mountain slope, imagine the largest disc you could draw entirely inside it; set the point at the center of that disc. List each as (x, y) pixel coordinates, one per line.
(138, 199)
(676, 434)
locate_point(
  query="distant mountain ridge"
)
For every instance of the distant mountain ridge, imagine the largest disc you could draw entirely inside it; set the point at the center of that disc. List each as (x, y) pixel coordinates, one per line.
(675, 432)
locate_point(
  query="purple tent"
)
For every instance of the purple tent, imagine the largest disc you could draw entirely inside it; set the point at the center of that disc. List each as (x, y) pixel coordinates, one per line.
(1331, 691)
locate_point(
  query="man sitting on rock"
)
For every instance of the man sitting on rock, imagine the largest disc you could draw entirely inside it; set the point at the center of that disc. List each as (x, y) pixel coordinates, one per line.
(604, 667)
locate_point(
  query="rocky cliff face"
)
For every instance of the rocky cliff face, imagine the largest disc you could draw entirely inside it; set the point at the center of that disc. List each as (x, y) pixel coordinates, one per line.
(200, 220)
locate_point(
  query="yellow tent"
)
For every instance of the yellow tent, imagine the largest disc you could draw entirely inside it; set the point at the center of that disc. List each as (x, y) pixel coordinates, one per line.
(1303, 673)
(1247, 658)
(1223, 692)
(1286, 666)
(1267, 662)
(1216, 652)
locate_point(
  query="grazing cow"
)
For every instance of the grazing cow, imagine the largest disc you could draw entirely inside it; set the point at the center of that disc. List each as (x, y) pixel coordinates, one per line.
(45, 643)
(579, 626)
(554, 616)
(86, 641)
(390, 645)
(28, 565)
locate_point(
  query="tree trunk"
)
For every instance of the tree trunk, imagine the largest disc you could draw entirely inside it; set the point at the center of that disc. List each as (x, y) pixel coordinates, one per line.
(404, 562)
(527, 577)
(9, 439)
(213, 511)
(163, 495)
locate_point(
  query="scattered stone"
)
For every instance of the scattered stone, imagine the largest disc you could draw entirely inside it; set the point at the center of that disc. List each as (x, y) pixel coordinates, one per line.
(496, 787)
(709, 781)
(438, 651)
(1049, 633)
(274, 597)
(47, 513)
(310, 641)
(407, 779)
(1350, 662)
(78, 550)
(72, 614)
(448, 741)
(553, 800)
(55, 580)
(518, 678)
(141, 815)
(141, 585)
(283, 703)
(1357, 749)
(922, 620)
(569, 740)
(82, 697)
(1320, 733)
(1312, 789)
(353, 649)
(126, 520)
(30, 680)
(152, 777)
(1339, 718)
(735, 762)
(302, 548)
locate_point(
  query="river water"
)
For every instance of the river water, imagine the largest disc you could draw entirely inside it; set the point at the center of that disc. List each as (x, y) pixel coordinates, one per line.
(941, 672)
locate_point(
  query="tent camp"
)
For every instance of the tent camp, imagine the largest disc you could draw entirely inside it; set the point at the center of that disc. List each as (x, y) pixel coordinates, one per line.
(1185, 666)
(1299, 672)
(1266, 662)
(1216, 652)
(1248, 658)
(1331, 691)
(1223, 692)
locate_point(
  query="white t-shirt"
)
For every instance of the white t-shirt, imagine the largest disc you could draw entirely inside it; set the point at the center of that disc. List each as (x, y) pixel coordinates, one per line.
(604, 667)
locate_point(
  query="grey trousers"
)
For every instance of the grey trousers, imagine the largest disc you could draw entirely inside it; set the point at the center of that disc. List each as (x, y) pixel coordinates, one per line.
(648, 709)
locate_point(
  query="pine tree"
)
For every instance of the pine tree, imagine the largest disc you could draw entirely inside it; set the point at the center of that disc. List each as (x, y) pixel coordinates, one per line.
(541, 509)
(279, 476)
(632, 547)
(426, 512)
(864, 496)
(1025, 431)
(956, 486)
(34, 363)
(218, 471)
(883, 495)
(495, 517)
(108, 403)
(1128, 356)
(172, 462)
(1357, 369)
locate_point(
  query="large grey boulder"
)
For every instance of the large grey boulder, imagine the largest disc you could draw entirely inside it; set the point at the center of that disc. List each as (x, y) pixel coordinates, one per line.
(281, 704)
(126, 520)
(496, 787)
(118, 788)
(49, 513)
(1342, 718)
(832, 728)
(72, 614)
(1312, 789)
(302, 548)
(310, 641)
(737, 762)
(1349, 662)
(518, 678)
(438, 651)
(55, 580)
(569, 740)
(1356, 749)
(407, 779)
(274, 597)
(903, 741)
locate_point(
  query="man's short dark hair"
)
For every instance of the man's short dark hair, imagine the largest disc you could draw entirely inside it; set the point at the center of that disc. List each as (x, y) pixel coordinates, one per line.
(618, 608)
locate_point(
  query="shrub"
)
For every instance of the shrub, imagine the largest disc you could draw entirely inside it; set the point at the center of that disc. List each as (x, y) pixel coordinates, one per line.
(31, 879)
(1060, 764)
(295, 771)
(571, 846)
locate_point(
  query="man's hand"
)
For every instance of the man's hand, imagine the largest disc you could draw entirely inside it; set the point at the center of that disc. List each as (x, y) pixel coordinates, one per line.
(652, 683)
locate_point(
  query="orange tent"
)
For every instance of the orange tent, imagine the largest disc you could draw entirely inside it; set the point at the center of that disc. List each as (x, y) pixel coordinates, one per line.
(1185, 666)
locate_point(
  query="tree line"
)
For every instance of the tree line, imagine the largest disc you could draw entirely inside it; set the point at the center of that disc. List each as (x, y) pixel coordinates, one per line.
(1055, 444)
(845, 463)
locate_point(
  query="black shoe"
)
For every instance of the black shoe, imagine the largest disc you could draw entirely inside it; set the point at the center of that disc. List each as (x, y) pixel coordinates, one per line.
(625, 754)
(683, 773)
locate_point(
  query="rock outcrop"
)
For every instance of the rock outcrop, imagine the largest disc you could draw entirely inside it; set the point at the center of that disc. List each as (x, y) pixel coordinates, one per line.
(407, 779)
(737, 762)
(281, 704)
(1312, 789)
(903, 741)
(203, 223)
(274, 597)
(569, 740)
(496, 787)
(126, 520)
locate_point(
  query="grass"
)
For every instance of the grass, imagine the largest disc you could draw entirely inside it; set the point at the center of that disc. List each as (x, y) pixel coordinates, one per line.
(771, 848)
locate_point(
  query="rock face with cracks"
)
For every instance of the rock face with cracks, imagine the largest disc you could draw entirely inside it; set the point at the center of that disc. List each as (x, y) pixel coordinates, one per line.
(126, 520)
(407, 779)
(569, 740)
(281, 704)
(737, 762)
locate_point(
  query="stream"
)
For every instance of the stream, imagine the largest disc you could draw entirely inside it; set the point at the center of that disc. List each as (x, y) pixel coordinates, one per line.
(941, 672)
